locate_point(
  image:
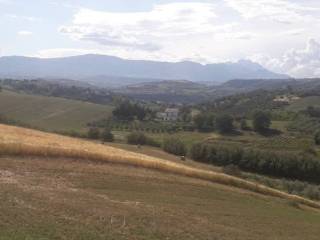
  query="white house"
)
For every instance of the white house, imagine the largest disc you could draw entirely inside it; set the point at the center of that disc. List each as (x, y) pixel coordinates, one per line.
(170, 114)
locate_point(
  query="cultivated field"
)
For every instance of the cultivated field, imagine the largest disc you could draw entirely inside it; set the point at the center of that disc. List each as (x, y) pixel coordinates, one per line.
(55, 187)
(50, 113)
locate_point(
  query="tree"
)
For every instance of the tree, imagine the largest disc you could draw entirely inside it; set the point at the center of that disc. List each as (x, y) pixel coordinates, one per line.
(244, 125)
(204, 122)
(128, 111)
(224, 123)
(261, 121)
(107, 135)
(174, 146)
(185, 114)
(94, 133)
(317, 138)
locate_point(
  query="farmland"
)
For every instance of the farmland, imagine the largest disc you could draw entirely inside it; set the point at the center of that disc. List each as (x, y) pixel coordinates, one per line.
(50, 113)
(79, 198)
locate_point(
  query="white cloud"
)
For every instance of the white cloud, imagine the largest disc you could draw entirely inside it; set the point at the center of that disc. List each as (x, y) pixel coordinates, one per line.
(23, 18)
(142, 30)
(296, 62)
(281, 11)
(24, 33)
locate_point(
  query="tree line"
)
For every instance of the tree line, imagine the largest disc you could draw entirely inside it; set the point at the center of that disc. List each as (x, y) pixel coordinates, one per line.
(303, 166)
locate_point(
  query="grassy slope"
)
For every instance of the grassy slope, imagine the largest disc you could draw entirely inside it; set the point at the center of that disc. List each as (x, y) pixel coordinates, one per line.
(62, 199)
(71, 199)
(49, 112)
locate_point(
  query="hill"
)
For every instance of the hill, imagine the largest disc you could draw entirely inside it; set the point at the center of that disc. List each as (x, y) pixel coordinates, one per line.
(172, 91)
(90, 66)
(50, 113)
(54, 187)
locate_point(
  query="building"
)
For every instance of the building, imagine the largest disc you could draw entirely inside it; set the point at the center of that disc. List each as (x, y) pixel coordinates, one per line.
(170, 114)
(286, 98)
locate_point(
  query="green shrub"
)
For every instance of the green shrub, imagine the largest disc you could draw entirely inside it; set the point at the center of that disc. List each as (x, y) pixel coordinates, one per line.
(107, 135)
(261, 121)
(174, 146)
(224, 123)
(93, 133)
(244, 125)
(138, 138)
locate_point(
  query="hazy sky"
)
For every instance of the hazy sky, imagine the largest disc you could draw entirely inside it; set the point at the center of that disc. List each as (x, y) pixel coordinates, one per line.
(282, 35)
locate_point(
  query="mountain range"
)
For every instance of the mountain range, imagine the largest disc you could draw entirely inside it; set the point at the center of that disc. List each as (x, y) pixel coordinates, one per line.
(112, 71)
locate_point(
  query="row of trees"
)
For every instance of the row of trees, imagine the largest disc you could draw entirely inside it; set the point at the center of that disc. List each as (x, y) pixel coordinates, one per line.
(305, 167)
(224, 123)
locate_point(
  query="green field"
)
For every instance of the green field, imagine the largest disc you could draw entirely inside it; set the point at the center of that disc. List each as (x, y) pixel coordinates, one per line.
(50, 113)
(249, 139)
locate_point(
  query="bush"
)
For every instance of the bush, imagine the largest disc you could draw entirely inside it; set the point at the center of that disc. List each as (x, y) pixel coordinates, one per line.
(107, 135)
(224, 123)
(204, 122)
(138, 138)
(174, 146)
(244, 125)
(261, 121)
(93, 133)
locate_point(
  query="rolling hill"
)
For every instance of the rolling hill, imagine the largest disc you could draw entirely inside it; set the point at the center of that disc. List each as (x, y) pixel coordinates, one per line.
(172, 91)
(50, 113)
(54, 187)
(91, 66)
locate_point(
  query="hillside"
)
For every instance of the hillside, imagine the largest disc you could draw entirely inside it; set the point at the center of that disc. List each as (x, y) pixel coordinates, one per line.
(90, 66)
(65, 188)
(172, 91)
(50, 113)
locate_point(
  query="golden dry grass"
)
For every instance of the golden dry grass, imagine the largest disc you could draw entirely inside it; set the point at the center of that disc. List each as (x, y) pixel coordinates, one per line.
(24, 142)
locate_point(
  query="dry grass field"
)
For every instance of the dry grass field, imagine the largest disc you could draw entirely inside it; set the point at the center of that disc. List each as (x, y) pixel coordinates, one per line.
(55, 187)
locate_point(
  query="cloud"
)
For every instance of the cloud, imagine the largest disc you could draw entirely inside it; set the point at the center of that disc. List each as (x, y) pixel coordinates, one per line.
(65, 52)
(141, 30)
(296, 62)
(24, 18)
(24, 33)
(5, 1)
(281, 11)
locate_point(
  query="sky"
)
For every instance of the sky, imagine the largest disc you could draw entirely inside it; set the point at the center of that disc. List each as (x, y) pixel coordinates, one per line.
(281, 35)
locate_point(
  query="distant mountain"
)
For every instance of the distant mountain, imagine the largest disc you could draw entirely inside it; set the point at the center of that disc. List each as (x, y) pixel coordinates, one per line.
(90, 66)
